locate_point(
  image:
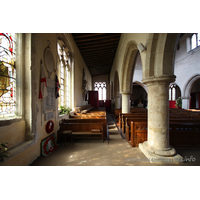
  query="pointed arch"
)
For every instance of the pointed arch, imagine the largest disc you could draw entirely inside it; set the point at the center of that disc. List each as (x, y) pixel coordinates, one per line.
(188, 86)
(116, 84)
(142, 85)
(160, 54)
(127, 66)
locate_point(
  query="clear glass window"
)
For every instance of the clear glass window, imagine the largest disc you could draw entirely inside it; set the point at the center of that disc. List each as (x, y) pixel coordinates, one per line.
(101, 87)
(63, 62)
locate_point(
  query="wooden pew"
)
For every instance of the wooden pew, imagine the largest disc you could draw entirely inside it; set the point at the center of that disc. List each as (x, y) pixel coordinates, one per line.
(101, 119)
(128, 125)
(86, 126)
(184, 132)
(122, 117)
(126, 121)
(138, 133)
(138, 110)
(117, 112)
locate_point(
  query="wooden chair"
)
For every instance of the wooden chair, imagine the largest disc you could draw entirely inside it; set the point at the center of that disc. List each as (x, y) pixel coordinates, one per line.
(64, 132)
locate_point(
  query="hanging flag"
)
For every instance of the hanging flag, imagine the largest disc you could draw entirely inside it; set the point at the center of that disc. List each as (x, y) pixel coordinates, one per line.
(43, 83)
(57, 87)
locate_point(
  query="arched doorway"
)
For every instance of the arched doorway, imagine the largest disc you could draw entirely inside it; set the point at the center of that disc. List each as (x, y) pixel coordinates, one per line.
(195, 95)
(139, 96)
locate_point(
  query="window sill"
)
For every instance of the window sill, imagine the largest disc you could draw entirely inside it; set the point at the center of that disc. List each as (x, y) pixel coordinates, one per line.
(61, 116)
(194, 50)
(19, 148)
(9, 120)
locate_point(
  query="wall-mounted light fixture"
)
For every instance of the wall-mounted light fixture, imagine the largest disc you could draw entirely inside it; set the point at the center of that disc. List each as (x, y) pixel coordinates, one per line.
(141, 47)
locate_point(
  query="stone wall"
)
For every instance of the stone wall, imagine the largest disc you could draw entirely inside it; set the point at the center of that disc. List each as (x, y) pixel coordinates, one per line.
(15, 133)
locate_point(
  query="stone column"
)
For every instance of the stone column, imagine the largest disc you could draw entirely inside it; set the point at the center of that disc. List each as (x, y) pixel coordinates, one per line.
(157, 144)
(126, 102)
(185, 102)
(117, 101)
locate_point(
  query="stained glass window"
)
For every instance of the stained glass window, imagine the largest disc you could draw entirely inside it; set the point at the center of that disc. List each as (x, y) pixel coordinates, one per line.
(101, 87)
(64, 65)
(7, 74)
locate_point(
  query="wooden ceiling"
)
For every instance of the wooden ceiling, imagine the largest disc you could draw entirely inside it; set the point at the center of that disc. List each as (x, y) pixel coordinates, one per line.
(98, 50)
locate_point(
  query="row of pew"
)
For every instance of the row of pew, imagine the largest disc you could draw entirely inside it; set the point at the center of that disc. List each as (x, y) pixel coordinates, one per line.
(92, 124)
(184, 127)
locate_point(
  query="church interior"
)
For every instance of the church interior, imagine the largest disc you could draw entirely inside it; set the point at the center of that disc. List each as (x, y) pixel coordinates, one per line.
(61, 87)
(99, 100)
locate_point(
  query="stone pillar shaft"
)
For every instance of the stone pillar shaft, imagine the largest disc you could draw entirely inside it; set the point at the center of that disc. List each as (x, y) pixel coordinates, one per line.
(126, 102)
(117, 102)
(186, 103)
(158, 116)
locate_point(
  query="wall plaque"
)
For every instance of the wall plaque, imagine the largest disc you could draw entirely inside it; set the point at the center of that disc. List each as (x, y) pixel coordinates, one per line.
(49, 101)
(49, 115)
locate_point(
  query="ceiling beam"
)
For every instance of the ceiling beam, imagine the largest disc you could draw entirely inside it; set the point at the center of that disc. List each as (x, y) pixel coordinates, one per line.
(114, 44)
(117, 35)
(99, 53)
(82, 35)
(100, 41)
(99, 49)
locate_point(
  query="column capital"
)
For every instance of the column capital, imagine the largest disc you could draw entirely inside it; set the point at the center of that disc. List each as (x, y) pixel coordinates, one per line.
(184, 97)
(163, 79)
(126, 92)
(117, 96)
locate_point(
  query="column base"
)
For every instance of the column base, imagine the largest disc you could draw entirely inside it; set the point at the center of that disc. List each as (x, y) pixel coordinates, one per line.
(155, 158)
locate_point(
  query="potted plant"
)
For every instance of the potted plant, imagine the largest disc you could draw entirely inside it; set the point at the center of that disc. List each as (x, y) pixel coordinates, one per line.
(179, 103)
(3, 152)
(65, 110)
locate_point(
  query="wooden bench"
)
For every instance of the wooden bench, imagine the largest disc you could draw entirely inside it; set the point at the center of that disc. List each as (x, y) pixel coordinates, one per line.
(128, 125)
(181, 132)
(117, 112)
(138, 133)
(84, 127)
(126, 121)
(122, 117)
(88, 121)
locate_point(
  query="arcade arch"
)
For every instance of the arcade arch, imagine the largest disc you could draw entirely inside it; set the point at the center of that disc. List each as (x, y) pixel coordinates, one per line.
(187, 92)
(117, 94)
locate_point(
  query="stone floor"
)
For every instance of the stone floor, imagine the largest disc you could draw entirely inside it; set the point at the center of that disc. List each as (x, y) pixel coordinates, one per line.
(92, 152)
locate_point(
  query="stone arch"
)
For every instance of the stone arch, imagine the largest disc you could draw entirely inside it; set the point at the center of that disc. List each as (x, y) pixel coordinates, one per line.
(117, 95)
(112, 90)
(116, 84)
(127, 66)
(142, 85)
(187, 89)
(160, 55)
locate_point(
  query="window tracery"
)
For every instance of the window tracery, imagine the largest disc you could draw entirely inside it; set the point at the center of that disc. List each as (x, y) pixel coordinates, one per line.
(101, 88)
(64, 73)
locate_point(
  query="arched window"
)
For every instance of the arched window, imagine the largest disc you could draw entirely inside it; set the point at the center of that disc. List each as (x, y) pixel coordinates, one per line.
(194, 40)
(63, 73)
(101, 87)
(172, 92)
(7, 75)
